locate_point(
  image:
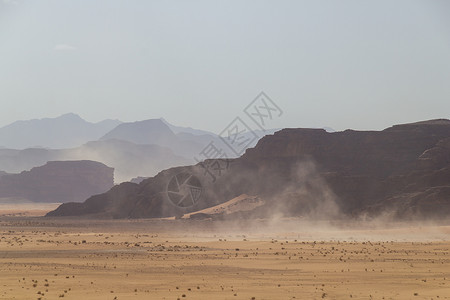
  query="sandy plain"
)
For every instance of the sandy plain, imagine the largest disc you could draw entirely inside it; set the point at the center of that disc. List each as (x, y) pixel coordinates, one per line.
(25, 209)
(43, 258)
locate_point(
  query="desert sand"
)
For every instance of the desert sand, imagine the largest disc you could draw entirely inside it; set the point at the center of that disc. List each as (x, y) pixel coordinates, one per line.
(25, 209)
(43, 258)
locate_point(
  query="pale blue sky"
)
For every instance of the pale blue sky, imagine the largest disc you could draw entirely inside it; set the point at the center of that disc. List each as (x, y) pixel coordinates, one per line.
(343, 64)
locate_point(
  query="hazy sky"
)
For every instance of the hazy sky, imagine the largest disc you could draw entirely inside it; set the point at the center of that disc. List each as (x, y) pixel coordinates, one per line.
(343, 64)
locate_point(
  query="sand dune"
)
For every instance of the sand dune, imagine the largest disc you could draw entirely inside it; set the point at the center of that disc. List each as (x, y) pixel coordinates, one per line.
(241, 203)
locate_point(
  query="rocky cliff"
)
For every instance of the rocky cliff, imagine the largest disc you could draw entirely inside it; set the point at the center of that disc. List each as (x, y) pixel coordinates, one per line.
(402, 171)
(58, 181)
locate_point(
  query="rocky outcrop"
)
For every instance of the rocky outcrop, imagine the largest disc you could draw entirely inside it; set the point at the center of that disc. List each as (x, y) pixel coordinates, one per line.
(309, 172)
(58, 181)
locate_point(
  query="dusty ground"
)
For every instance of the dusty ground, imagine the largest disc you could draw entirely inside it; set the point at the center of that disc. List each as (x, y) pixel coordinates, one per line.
(26, 209)
(81, 259)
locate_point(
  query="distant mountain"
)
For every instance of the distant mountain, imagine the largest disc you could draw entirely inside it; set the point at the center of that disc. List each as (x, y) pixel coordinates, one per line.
(329, 129)
(187, 131)
(58, 181)
(202, 136)
(66, 131)
(155, 132)
(134, 149)
(152, 131)
(190, 130)
(402, 172)
(183, 141)
(128, 159)
(138, 179)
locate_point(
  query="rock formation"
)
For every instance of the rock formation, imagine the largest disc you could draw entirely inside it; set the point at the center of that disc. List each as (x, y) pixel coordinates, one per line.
(128, 159)
(58, 181)
(402, 171)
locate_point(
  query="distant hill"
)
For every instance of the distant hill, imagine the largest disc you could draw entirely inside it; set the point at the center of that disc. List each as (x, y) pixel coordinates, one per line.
(402, 172)
(134, 149)
(66, 131)
(58, 181)
(152, 131)
(129, 159)
(183, 141)
(190, 130)
(157, 132)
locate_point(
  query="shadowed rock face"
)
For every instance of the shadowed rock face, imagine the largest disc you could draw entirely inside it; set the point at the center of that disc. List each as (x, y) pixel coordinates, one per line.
(403, 170)
(59, 181)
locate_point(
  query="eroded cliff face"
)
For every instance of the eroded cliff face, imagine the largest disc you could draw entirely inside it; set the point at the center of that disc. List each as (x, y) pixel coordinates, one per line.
(309, 172)
(59, 181)
(369, 172)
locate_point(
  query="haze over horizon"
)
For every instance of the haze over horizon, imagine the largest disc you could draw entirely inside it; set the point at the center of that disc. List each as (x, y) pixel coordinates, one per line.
(347, 64)
(173, 149)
